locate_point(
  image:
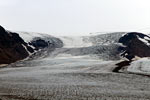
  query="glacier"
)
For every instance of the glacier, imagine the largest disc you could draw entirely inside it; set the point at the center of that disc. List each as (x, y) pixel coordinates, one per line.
(77, 68)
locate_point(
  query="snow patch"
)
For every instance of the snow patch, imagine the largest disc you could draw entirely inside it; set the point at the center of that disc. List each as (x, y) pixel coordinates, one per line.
(26, 49)
(144, 40)
(141, 66)
(147, 38)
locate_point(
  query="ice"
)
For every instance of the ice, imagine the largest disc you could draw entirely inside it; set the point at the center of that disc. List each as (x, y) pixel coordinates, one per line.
(74, 41)
(28, 36)
(144, 40)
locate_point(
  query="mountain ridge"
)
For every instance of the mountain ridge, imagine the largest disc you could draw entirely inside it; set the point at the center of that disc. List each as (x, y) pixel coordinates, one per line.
(110, 46)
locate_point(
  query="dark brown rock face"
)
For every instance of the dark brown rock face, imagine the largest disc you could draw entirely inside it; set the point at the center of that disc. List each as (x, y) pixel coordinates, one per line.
(137, 44)
(12, 47)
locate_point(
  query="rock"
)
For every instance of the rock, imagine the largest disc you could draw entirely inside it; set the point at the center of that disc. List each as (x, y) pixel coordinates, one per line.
(51, 42)
(12, 47)
(121, 65)
(39, 43)
(136, 44)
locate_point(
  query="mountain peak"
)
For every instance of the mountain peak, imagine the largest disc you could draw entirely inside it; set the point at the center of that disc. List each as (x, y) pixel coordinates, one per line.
(136, 44)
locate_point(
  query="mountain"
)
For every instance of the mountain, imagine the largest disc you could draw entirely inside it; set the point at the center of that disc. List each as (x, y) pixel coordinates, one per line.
(14, 48)
(135, 44)
(83, 66)
(127, 45)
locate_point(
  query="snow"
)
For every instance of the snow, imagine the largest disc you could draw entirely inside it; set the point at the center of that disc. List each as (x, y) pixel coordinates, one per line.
(144, 40)
(103, 33)
(98, 33)
(66, 56)
(62, 73)
(147, 38)
(27, 49)
(28, 36)
(76, 41)
(141, 66)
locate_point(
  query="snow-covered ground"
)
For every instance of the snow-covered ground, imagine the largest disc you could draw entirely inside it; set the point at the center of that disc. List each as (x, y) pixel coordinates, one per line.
(141, 66)
(28, 36)
(75, 41)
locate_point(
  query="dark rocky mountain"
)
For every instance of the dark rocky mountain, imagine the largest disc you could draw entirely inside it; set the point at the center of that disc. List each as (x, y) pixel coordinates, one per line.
(14, 48)
(136, 44)
(126, 45)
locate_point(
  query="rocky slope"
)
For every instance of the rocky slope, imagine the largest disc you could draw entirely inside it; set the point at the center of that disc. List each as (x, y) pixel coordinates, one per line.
(14, 48)
(135, 44)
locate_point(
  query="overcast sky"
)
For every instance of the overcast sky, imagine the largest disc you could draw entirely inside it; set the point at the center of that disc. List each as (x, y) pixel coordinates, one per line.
(75, 17)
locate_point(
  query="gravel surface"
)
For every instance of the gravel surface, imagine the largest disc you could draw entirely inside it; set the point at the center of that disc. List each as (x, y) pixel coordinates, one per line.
(70, 78)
